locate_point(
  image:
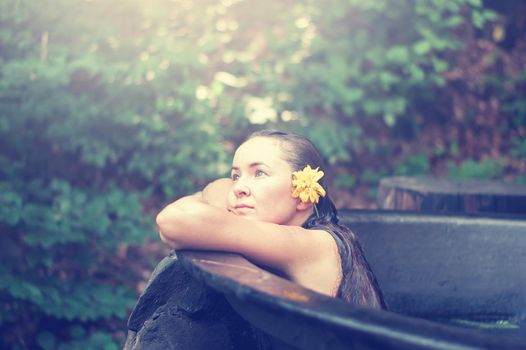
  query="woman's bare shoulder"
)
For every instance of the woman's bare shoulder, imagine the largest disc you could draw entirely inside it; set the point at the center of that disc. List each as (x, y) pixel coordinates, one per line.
(322, 270)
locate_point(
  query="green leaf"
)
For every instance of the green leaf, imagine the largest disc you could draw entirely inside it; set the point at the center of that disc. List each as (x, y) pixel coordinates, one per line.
(422, 47)
(10, 205)
(398, 54)
(46, 340)
(470, 169)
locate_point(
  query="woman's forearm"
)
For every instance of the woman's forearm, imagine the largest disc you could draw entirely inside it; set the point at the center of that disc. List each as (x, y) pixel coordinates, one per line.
(171, 220)
(175, 222)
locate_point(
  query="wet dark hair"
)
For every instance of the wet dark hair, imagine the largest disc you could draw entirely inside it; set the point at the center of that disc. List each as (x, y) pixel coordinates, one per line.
(358, 283)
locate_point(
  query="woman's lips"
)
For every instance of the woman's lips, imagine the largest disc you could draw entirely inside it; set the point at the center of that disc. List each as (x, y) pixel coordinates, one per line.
(241, 209)
(243, 206)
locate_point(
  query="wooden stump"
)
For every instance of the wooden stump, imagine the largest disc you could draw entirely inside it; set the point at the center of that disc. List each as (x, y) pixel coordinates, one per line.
(430, 194)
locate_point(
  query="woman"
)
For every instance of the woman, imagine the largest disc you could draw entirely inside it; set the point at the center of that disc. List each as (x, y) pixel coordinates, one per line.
(274, 212)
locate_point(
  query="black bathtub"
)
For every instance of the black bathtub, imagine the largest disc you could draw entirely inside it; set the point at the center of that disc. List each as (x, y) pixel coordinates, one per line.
(450, 282)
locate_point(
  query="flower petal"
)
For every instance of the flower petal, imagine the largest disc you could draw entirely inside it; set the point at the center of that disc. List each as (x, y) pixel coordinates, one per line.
(305, 184)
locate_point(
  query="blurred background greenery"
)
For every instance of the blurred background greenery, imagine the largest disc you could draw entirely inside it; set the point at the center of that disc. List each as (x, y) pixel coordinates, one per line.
(110, 109)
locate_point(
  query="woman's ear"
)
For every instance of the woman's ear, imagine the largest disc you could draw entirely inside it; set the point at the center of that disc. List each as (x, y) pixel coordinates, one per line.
(303, 206)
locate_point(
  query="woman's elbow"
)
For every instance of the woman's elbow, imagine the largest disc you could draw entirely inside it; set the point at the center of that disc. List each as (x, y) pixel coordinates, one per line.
(163, 217)
(169, 242)
(170, 227)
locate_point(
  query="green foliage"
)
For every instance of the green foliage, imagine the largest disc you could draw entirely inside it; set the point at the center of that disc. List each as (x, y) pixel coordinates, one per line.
(519, 147)
(345, 181)
(98, 117)
(372, 177)
(372, 59)
(80, 341)
(514, 104)
(470, 169)
(520, 179)
(411, 165)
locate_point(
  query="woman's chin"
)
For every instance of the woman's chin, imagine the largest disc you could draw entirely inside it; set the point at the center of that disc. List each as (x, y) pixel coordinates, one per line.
(246, 213)
(248, 216)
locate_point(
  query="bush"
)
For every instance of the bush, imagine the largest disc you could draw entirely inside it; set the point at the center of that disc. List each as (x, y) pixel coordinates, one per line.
(90, 133)
(470, 169)
(417, 164)
(371, 59)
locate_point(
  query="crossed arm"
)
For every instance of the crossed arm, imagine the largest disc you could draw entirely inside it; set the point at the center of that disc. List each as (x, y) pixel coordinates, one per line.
(201, 221)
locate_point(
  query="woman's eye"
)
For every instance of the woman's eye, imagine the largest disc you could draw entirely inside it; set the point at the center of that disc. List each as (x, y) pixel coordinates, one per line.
(234, 177)
(260, 173)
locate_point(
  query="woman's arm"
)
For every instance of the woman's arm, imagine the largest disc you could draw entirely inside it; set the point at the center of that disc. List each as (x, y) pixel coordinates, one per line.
(192, 223)
(216, 192)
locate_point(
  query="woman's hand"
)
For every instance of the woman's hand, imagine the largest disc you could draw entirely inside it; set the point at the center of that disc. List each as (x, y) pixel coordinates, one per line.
(216, 192)
(168, 220)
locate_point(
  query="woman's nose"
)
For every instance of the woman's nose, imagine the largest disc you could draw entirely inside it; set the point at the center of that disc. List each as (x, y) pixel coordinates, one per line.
(241, 189)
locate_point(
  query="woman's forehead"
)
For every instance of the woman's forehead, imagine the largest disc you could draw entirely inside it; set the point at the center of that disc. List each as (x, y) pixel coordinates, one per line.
(259, 149)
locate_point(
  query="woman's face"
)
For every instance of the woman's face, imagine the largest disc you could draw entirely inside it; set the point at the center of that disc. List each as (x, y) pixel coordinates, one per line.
(262, 183)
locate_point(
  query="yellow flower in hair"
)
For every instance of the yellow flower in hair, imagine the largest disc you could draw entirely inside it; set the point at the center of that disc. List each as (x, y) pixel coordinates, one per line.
(305, 185)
